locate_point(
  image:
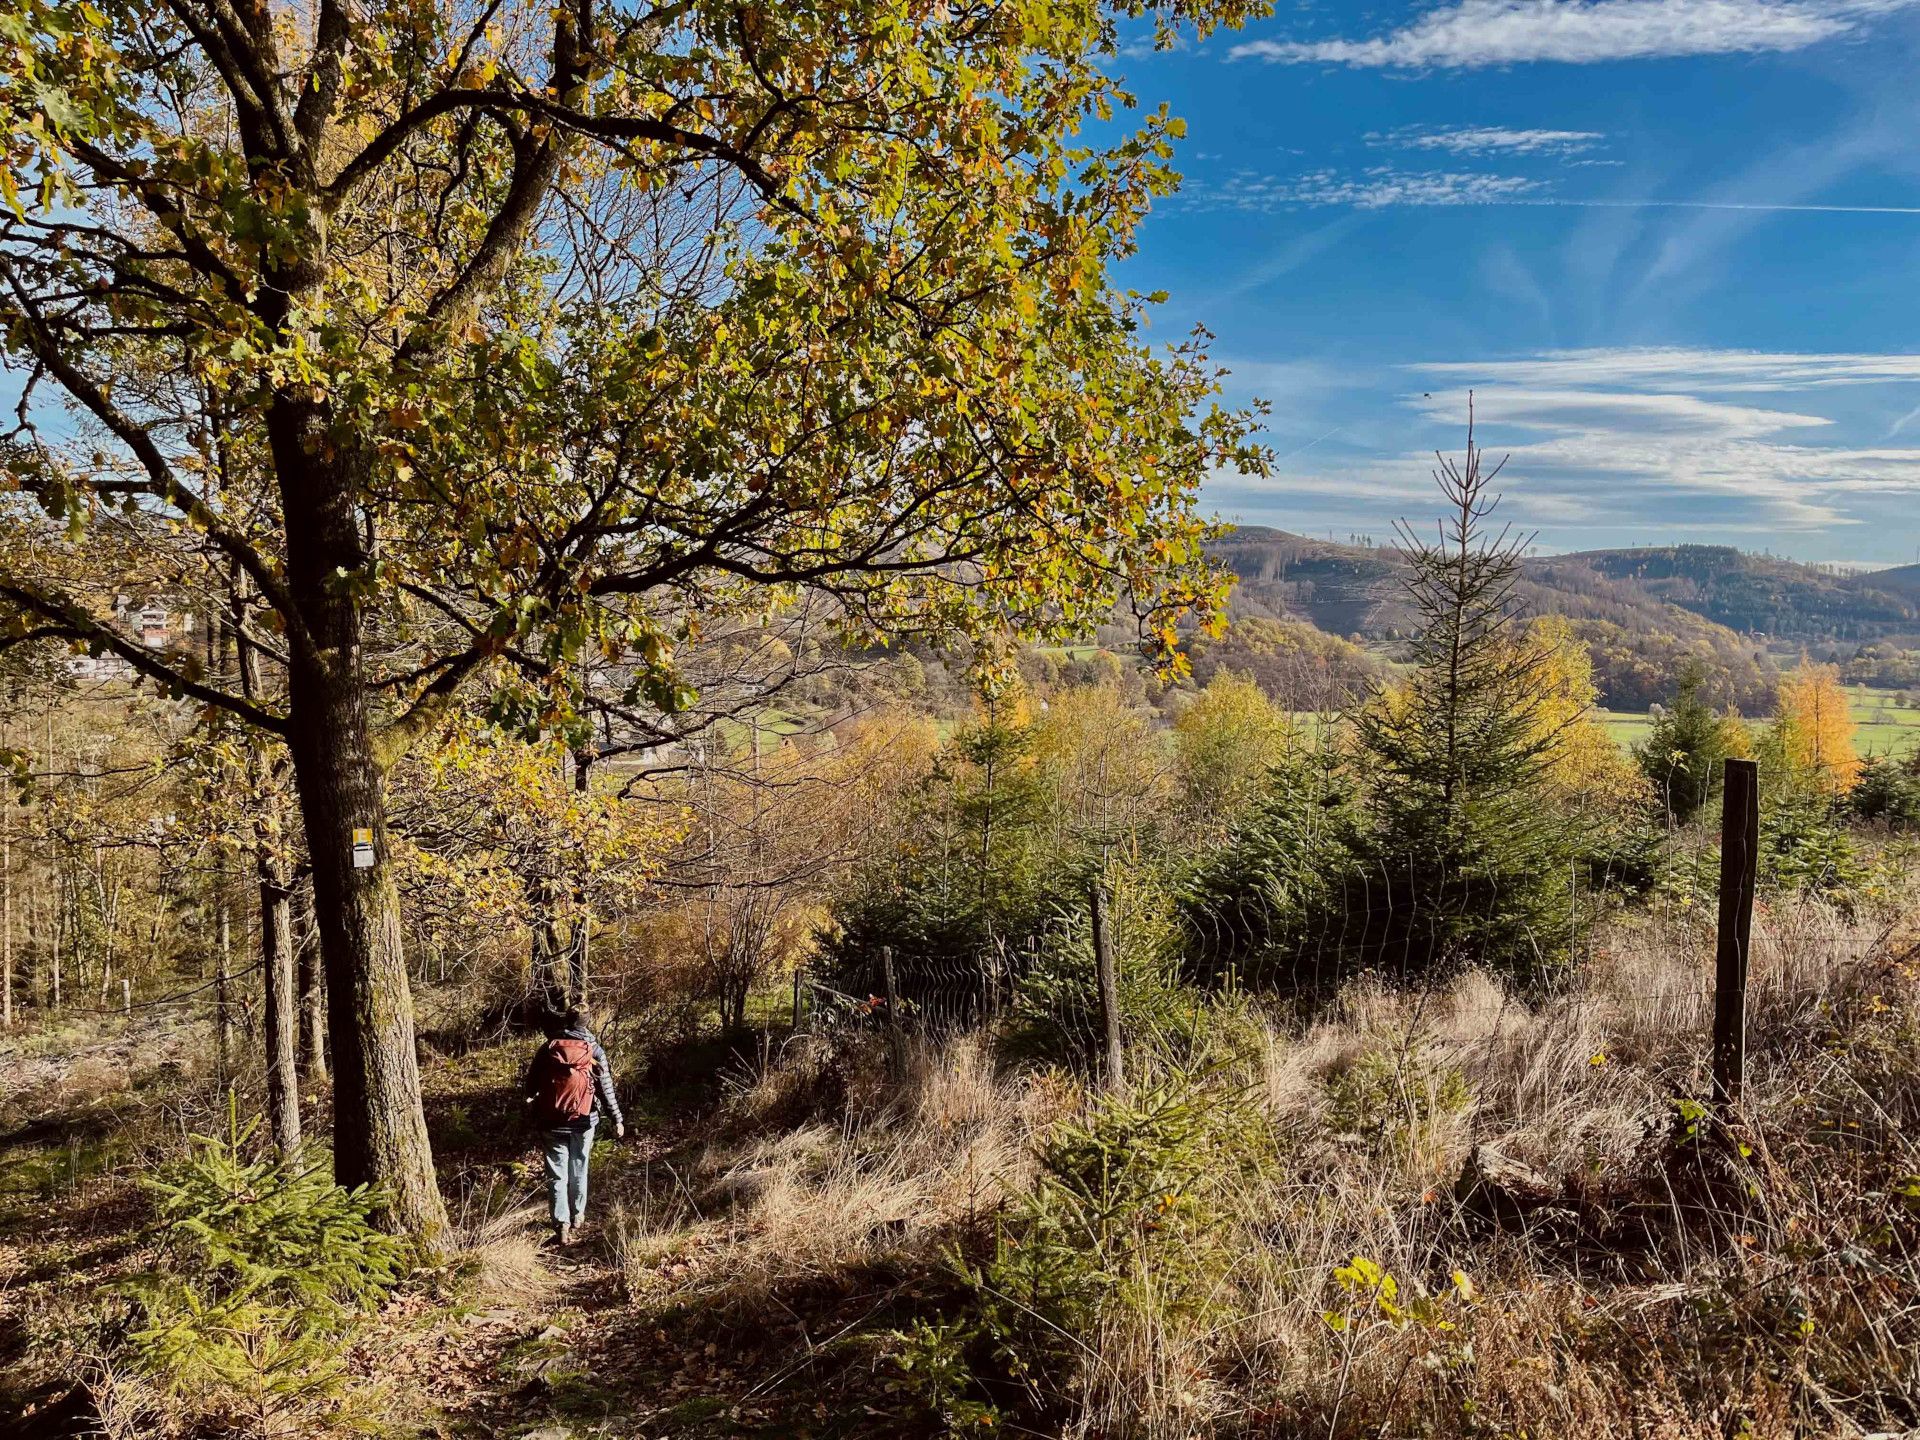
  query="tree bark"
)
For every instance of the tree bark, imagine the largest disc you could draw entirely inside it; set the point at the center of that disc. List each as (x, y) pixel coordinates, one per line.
(6, 911)
(223, 974)
(549, 964)
(59, 927)
(313, 994)
(380, 1129)
(281, 1023)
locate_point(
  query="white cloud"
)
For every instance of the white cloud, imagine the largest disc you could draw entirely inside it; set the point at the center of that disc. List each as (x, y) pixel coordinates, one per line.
(1381, 186)
(1372, 189)
(1474, 33)
(1491, 140)
(1147, 44)
(1652, 431)
(1694, 370)
(1666, 416)
(1616, 440)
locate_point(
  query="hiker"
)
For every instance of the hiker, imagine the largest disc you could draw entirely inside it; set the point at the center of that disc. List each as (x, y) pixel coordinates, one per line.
(567, 1085)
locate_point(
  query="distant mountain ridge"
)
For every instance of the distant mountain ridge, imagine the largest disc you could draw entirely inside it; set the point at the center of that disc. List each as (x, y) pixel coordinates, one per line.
(1760, 594)
(1901, 580)
(1643, 613)
(1353, 590)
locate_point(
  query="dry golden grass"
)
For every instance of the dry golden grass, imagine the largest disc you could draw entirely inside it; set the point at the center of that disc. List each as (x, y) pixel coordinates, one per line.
(498, 1257)
(894, 1175)
(1777, 1309)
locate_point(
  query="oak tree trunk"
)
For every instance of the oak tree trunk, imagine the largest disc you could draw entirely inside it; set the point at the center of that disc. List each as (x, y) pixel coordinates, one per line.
(380, 1130)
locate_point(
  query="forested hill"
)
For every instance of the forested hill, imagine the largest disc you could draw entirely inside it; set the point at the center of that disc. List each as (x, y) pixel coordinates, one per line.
(1642, 612)
(1902, 581)
(1352, 589)
(1759, 594)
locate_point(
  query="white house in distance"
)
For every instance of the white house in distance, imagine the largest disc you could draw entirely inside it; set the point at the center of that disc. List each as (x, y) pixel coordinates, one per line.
(157, 626)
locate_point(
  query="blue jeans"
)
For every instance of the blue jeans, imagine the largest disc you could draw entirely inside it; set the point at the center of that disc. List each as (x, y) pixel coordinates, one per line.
(567, 1154)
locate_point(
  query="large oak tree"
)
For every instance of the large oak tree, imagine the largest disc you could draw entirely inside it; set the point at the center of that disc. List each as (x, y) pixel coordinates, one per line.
(470, 340)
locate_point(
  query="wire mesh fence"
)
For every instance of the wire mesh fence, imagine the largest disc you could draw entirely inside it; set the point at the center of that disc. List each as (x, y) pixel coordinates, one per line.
(1296, 936)
(1418, 920)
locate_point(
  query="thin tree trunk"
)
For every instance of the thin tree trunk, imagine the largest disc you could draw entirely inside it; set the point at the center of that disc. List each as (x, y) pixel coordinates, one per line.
(578, 942)
(279, 990)
(112, 926)
(223, 974)
(313, 995)
(59, 905)
(217, 655)
(30, 960)
(6, 909)
(548, 962)
(577, 958)
(56, 897)
(281, 1023)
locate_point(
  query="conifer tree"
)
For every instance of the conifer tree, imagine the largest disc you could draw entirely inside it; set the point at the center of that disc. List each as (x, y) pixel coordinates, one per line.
(1685, 753)
(1470, 866)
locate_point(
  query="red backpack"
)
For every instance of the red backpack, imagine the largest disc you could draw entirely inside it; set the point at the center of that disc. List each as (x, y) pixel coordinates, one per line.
(563, 1083)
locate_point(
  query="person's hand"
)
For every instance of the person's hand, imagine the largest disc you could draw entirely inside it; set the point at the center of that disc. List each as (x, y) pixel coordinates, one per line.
(619, 1129)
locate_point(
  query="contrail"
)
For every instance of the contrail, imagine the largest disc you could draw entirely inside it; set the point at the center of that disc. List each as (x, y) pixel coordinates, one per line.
(1306, 447)
(1712, 205)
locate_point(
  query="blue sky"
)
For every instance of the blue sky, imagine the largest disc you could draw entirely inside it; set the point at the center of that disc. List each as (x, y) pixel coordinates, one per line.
(1672, 245)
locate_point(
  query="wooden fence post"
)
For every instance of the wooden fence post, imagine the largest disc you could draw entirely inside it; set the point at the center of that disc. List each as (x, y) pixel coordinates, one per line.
(797, 970)
(1109, 989)
(893, 986)
(896, 1034)
(1739, 871)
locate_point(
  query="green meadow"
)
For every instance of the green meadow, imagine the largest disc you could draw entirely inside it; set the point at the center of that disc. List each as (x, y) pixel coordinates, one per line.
(1881, 725)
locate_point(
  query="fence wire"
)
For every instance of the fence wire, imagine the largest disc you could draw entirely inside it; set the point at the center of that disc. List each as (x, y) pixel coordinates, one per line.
(1422, 923)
